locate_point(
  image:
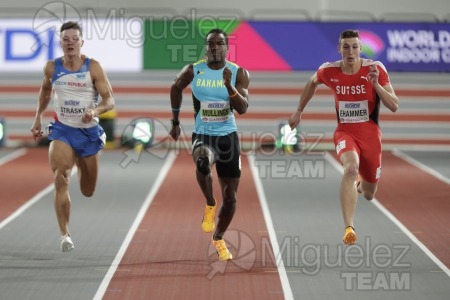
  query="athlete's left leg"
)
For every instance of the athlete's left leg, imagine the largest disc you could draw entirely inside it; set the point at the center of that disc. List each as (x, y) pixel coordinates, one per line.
(204, 159)
(368, 189)
(370, 168)
(229, 188)
(347, 192)
(87, 174)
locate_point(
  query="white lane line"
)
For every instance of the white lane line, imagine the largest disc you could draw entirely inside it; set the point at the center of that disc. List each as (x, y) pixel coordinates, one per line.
(271, 230)
(420, 166)
(137, 221)
(26, 205)
(30, 202)
(13, 155)
(391, 217)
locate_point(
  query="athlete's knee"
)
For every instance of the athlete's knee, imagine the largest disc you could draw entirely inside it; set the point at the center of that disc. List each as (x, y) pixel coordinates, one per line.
(203, 165)
(228, 207)
(368, 195)
(61, 179)
(351, 169)
(87, 191)
(229, 202)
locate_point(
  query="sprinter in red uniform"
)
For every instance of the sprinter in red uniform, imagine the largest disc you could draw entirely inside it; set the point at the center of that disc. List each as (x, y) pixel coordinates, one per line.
(358, 85)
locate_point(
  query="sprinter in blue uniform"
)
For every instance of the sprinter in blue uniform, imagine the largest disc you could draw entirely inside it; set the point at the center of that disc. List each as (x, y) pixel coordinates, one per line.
(74, 82)
(219, 88)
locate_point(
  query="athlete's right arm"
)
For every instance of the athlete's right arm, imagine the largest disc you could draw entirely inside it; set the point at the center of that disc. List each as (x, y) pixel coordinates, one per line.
(183, 79)
(308, 92)
(44, 99)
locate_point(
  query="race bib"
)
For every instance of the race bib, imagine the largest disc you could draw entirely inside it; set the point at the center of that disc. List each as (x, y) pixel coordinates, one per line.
(214, 111)
(71, 112)
(354, 111)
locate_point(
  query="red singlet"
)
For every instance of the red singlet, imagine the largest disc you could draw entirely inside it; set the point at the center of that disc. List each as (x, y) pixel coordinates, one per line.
(357, 108)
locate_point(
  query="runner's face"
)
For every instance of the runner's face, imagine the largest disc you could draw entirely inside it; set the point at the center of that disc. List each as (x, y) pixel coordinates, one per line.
(71, 41)
(350, 50)
(216, 47)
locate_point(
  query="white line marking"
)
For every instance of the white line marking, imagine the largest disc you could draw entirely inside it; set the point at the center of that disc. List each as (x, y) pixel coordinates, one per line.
(273, 238)
(420, 165)
(26, 205)
(391, 217)
(137, 221)
(30, 202)
(13, 155)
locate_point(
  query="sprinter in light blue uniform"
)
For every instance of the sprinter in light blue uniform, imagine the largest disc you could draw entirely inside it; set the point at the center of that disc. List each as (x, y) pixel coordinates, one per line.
(213, 112)
(74, 83)
(219, 88)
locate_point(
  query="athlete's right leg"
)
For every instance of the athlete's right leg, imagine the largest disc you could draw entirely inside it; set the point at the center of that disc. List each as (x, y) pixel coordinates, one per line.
(62, 158)
(204, 159)
(348, 192)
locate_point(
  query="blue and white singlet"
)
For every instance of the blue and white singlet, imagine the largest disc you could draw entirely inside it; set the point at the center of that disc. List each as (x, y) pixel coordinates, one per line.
(73, 94)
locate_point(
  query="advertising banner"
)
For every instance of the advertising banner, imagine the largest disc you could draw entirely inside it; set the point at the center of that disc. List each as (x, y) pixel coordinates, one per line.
(27, 44)
(135, 44)
(291, 46)
(409, 47)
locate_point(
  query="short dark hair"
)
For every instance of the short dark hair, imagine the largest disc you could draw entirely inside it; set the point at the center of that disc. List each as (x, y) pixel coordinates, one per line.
(348, 34)
(71, 25)
(218, 31)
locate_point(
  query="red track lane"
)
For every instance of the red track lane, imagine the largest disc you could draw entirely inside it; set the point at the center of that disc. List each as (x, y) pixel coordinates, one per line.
(169, 256)
(23, 178)
(418, 200)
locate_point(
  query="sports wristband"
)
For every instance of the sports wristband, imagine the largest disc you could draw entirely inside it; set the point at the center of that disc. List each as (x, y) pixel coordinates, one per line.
(234, 95)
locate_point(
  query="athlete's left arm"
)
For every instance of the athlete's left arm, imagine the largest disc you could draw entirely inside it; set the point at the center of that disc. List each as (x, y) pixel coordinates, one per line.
(239, 93)
(103, 87)
(386, 92)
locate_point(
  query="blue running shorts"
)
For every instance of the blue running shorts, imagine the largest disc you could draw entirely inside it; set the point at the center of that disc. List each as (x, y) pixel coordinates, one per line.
(84, 141)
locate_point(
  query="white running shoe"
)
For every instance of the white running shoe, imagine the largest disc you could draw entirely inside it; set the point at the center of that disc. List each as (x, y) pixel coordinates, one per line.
(66, 243)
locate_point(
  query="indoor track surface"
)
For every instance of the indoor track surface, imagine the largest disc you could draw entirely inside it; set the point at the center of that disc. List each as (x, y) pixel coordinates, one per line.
(139, 236)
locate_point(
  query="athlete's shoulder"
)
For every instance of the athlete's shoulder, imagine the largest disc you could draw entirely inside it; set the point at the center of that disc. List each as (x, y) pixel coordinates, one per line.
(334, 64)
(328, 69)
(50, 63)
(198, 66)
(369, 62)
(49, 68)
(232, 64)
(93, 66)
(56, 60)
(185, 75)
(90, 61)
(200, 62)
